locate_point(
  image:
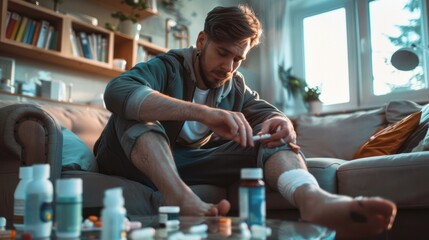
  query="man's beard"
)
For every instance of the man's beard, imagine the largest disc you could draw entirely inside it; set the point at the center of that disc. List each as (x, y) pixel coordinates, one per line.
(206, 81)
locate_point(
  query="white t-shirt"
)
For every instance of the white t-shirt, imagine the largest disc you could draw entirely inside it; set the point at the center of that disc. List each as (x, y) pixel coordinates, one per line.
(193, 131)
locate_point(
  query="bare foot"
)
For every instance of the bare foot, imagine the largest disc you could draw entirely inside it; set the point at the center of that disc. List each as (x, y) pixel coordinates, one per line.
(220, 209)
(349, 217)
(191, 205)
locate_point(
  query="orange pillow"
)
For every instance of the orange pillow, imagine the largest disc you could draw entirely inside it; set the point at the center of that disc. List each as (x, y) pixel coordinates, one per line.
(390, 139)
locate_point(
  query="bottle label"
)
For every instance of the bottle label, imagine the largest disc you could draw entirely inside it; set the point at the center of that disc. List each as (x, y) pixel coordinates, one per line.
(38, 209)
(68, 214)
(252, 205)
(18, 211)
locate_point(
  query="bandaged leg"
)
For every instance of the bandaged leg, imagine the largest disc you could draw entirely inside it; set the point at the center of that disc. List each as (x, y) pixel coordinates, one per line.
(290, 180)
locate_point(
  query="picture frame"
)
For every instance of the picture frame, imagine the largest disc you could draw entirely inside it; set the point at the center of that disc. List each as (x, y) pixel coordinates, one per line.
(7, 68)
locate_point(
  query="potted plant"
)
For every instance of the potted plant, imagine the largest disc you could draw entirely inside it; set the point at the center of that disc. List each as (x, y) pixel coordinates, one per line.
(311, 97)
(128, 22)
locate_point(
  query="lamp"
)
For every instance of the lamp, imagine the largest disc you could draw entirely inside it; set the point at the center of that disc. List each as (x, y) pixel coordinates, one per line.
(406, 59)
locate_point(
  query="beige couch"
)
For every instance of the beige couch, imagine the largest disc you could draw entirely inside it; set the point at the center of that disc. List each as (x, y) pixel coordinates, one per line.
(32, 133)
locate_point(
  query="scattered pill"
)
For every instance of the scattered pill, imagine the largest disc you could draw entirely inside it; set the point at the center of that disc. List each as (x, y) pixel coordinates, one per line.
(143, 233)
(198, 228)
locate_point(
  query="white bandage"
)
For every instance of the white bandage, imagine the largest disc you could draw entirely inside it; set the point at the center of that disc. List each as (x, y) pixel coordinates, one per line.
(290, 180)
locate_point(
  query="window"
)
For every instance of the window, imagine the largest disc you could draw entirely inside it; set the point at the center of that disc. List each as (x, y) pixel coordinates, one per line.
(345, 47)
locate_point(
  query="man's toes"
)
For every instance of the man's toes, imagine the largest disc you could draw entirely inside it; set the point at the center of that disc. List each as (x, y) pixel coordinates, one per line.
(223, 207)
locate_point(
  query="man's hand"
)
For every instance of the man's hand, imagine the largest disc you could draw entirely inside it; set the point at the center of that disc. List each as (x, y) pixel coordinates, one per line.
(281, 130)
(229, 125)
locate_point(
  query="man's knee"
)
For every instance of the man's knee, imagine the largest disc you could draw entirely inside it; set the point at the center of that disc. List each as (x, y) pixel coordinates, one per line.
(147, 142)
(285, 153)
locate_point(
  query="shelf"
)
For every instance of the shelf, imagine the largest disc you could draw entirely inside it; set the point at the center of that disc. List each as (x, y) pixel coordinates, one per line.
(117, 45)
(116, 5)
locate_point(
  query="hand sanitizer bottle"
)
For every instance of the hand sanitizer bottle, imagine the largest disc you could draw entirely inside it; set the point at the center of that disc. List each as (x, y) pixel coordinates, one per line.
(38, 203)
(26, 176)
(113, 215)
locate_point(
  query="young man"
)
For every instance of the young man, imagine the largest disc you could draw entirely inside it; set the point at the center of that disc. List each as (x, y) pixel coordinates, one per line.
(187, 117)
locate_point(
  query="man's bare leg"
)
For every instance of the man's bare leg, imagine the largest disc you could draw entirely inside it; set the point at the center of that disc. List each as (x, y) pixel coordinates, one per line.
(349, 217)
(158, 165)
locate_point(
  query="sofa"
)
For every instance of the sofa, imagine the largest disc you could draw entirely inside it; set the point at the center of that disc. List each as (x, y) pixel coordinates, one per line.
(63, 135)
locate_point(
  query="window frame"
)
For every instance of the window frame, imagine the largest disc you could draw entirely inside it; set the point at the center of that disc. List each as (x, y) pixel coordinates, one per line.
(359, 52)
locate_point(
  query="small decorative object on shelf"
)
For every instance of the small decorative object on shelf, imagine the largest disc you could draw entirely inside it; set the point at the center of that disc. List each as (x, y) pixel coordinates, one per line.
(56, 5)
(128, 21)
(7, 75)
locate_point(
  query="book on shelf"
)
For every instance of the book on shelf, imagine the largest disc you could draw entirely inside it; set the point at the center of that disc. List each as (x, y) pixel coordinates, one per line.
(104, 49)
(48, 37)
(8, 14)
(53, 44)
(141, 54)
(29, 32)
(74, 44)
(21, 30)
(36, 33)
(13, 25)
(44, 29)
(84, 41)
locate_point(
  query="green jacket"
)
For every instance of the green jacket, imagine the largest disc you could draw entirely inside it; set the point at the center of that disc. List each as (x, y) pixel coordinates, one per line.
(172, 74)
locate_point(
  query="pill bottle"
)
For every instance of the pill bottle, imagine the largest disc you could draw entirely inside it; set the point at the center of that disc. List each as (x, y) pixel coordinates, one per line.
(68, 207)
(168, 216)
(38, 203)
(113, 215)
(252, 196)
(25, 176)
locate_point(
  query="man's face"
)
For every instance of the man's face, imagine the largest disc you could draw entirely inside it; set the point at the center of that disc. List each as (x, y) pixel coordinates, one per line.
(219, 61)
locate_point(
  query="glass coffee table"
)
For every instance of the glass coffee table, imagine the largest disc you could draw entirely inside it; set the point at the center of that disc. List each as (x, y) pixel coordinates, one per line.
(279, 229)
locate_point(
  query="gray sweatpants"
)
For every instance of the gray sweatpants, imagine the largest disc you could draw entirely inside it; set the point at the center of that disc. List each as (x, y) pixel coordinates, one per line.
(218, 164)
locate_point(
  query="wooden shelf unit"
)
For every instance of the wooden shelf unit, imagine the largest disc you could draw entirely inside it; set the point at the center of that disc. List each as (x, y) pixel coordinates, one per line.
(116, 5)
(118, 45)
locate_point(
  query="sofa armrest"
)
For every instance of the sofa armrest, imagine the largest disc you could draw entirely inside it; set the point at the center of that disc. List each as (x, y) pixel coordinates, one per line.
(28, 135)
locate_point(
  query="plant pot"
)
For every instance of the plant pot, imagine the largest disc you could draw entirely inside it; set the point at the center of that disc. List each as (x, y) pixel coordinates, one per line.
(315, 107)
(131, 29)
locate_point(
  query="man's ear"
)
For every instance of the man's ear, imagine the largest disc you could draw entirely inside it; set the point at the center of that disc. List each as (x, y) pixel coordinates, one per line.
(202, 37)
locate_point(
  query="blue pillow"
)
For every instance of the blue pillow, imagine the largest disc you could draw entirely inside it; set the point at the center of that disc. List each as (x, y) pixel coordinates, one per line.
(76, 155)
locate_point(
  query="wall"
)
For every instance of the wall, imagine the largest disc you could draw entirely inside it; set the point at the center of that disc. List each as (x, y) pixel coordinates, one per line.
(87, 87)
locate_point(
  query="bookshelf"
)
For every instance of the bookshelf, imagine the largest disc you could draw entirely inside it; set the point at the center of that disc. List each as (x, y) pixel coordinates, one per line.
(60, 51)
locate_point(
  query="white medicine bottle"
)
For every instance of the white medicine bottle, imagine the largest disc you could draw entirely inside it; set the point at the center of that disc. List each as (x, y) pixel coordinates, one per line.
(252, 196)
(68, 207)
(25, 176)
(38, 203)
(113, 215)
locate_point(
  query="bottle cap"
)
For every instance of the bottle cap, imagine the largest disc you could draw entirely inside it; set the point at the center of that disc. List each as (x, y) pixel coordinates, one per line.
(25, 172)
(69, 187)
(41, 171)
(113, 197)
(169, 209)
(2, 222)
(251, 173)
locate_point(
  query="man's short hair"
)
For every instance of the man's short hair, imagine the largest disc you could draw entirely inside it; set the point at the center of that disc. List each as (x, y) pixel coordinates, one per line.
(233, 24)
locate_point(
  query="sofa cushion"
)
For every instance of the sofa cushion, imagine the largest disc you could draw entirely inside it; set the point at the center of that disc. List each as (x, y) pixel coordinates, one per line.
(401, 178)
(86, 122)
(399, 109)
(389, 140)
(337, 136)
(415, 142)
(76, 154)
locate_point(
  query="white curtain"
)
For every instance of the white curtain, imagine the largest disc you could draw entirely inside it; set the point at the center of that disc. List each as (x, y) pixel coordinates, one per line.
(275, 51)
